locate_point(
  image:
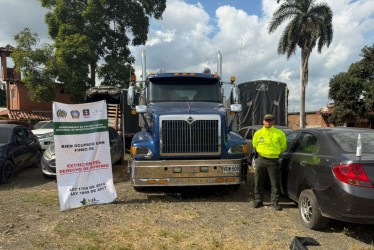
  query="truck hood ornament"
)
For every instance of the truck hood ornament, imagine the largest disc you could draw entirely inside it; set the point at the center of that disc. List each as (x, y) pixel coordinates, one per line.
(190, 120)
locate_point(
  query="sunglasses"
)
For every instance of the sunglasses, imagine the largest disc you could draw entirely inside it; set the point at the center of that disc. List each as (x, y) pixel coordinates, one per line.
(269, 120)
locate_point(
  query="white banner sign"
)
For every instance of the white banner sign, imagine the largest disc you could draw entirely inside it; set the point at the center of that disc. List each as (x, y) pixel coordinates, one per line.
(83, 163)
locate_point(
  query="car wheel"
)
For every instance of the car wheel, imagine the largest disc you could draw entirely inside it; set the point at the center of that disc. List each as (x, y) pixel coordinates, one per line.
(8, 172)
(253, 163)
(38, 160)
(49, 176)
(310, 214)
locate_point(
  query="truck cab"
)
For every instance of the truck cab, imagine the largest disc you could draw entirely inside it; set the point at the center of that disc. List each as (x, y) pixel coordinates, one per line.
(186, 139)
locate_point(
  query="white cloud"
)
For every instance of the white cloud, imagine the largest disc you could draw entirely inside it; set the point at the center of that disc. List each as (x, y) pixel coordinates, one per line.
(187, 39)
(17, 15)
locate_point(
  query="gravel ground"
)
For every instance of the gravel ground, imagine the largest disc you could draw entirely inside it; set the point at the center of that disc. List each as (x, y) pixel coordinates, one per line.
(196, 219)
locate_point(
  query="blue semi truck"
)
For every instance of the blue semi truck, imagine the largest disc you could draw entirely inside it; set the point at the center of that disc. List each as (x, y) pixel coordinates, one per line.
(187, 139)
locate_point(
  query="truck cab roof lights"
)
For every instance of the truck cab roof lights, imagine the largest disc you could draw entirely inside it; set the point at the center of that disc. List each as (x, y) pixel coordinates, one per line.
(233, 78)
(179, 74)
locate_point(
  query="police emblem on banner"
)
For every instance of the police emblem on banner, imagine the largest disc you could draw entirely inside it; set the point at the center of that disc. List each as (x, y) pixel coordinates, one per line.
(75, 114)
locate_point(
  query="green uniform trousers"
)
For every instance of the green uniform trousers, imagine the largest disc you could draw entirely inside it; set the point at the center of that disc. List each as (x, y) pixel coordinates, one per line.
(270, 166)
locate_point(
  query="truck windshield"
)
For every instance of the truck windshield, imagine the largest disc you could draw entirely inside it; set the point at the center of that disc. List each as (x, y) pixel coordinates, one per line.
(178, 89)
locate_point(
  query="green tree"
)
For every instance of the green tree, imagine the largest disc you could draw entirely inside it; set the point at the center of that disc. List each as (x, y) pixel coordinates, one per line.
(39, 70)
(310, 25)
(92, 38)
(353, 91)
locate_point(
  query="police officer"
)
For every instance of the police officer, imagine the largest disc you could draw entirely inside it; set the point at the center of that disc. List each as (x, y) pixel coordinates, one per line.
(269, 142)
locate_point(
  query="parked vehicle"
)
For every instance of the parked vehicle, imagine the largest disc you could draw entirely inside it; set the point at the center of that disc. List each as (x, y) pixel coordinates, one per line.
(120, 115)
(186, 140)
(19, 148)
(262, 97)
(20, 122)
(321, 172)
(48, 160)
(44, 131)
(248, 132)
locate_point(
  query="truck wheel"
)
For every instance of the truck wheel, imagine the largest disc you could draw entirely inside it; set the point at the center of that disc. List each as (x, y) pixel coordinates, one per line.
(310, 214)
(7, 173)
(233, 188)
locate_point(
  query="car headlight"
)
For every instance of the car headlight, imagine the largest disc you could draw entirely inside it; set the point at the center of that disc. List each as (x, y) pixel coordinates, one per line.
(140, 151)
(47, 154)
(42, 136)
(239, 149)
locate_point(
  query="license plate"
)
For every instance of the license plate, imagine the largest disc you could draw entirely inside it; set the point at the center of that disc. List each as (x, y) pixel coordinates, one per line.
(230, 169)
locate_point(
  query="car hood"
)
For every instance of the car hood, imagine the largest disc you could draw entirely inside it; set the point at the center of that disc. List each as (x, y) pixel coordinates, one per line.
(42, 131)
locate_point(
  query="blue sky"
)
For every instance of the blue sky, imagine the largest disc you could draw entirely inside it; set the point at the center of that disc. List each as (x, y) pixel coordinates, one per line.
(252, 7)
(191, 32)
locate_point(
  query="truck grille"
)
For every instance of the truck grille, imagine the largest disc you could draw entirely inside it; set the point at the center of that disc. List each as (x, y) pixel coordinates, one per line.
(194, 135)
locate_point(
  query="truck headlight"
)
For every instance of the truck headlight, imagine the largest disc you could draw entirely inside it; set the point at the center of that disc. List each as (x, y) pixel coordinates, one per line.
(239, 149)
(140, 151)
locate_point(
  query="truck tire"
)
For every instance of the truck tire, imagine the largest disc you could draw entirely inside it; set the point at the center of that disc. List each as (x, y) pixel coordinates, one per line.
(310, 214)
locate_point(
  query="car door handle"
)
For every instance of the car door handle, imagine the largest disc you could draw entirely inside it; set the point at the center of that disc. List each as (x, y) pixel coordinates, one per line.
(303, 163)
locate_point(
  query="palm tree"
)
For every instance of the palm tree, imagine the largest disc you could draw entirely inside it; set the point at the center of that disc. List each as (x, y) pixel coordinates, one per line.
(310, 25)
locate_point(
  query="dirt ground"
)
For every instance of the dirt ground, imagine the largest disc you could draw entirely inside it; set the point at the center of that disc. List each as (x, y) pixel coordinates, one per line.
(30, 218)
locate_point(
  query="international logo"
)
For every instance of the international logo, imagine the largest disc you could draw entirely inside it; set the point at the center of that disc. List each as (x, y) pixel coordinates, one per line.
(190, 120)
(75, 114)
(86, 113)
(61, 113)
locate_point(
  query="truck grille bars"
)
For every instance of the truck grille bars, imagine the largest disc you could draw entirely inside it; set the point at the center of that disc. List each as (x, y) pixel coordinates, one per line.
(190, 135)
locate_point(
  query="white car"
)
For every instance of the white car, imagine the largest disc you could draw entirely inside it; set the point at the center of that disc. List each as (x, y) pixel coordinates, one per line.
(44, 131)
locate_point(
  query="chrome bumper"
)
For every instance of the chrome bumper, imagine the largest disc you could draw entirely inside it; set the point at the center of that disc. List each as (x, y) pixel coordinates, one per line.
(188, 172)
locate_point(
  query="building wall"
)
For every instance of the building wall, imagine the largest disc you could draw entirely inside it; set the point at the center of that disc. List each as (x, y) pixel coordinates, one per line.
(23, 102)
(21, 94)
(312, 120)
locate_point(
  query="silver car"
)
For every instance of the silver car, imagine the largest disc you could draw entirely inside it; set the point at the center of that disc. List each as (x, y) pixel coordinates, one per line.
(44, 131)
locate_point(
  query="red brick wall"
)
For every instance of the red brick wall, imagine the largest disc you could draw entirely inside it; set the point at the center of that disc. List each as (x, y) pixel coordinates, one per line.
(23, 102)
(311, 120)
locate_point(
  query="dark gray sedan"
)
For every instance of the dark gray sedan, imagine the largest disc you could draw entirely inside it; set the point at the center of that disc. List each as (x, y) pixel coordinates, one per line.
(321, 172)
(19, 148)
(116, 153)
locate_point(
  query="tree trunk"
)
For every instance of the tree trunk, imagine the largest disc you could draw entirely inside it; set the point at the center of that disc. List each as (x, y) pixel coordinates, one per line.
(93, 74)
(305, 53)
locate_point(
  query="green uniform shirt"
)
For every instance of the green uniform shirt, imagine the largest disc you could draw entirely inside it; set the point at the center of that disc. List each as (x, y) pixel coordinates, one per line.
(269, 142)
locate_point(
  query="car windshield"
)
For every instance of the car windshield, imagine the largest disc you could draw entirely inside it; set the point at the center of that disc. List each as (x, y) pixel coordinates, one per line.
(348, 141)
(5, 135)
(184, 89)
(44, 125)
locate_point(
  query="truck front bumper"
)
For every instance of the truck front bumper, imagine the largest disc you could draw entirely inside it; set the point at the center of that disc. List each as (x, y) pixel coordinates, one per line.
(188, 172)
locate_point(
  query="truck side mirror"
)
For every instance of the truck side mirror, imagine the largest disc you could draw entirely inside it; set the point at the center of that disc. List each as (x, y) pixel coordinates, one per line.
(141, 109)
(236, 108)
(131, 95)
(235, 95)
